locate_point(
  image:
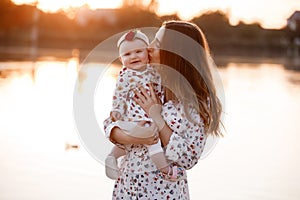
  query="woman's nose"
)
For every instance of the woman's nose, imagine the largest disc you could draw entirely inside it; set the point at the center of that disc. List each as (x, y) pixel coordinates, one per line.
(150, 49)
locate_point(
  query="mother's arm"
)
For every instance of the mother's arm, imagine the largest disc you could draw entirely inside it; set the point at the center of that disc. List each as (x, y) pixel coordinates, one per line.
(165, 134)
(185, 147)
(121, 137)
(187, 144)
(152, 106)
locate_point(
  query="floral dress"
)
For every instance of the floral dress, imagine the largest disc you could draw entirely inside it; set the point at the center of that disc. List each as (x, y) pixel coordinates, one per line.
(139, 177)
(128, 80)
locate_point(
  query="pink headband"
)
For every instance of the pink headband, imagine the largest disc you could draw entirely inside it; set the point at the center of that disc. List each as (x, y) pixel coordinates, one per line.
(132, 35)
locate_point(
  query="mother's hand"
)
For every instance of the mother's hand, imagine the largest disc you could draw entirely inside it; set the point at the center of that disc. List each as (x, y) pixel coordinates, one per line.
(151, 105)
(145, 100)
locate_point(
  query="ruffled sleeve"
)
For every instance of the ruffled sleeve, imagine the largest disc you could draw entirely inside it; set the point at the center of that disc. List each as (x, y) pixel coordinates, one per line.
(108, 126)
(188, 139)
(121, 91)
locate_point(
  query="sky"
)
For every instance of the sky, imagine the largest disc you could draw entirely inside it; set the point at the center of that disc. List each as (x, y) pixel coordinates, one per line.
(269, 13)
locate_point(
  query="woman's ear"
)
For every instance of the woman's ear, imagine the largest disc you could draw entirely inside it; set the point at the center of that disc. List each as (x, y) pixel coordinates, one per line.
(120, 59)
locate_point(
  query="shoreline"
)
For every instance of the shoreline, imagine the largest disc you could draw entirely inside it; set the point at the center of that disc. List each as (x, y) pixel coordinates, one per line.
(13, 53)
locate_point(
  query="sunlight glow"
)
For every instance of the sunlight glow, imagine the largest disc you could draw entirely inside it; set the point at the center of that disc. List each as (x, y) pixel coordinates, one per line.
(106, 85)
(55, 5)
(41, 110)
(269, 13)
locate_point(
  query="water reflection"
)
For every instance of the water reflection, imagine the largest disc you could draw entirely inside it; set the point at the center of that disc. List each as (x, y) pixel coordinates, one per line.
(39, 105)
(37, 127)
(41, 156)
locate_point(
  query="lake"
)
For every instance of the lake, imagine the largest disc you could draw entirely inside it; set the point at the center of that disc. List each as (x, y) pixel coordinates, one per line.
(43, 156)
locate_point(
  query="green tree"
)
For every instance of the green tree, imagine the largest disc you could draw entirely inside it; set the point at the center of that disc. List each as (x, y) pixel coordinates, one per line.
(214, 23)
(248, 31)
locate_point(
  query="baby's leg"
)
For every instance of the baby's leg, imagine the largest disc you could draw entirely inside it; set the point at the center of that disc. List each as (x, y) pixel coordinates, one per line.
(111, 162)
(117, 152)
(170, 173)
(158, 157)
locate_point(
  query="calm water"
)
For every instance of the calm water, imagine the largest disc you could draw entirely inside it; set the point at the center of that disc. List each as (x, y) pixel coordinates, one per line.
(257, 159)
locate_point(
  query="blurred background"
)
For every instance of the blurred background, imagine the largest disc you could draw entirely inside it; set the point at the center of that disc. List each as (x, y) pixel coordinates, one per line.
(44, 44)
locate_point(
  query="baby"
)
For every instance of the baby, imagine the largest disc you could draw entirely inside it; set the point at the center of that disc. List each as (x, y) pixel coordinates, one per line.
(125, 112)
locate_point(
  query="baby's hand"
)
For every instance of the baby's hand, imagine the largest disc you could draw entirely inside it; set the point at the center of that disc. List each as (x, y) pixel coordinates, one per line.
(115, 115)
(145, 124)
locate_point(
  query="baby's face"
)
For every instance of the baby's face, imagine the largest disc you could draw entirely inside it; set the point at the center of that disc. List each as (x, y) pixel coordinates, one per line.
(134, 54)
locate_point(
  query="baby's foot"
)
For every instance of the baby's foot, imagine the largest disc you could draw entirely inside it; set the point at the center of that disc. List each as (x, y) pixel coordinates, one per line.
(174, 174)
(111, 167)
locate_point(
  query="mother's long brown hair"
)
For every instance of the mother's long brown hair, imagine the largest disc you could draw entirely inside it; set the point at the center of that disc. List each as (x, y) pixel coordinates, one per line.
(191, 59)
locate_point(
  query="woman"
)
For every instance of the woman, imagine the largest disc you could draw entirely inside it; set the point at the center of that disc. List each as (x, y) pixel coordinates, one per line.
(190, 112)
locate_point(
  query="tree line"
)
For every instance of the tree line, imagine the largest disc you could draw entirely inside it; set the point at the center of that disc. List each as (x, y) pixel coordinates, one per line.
(58, 30)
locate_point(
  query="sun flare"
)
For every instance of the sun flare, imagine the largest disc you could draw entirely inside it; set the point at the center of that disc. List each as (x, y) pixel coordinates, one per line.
(269, 13)
(55, 5)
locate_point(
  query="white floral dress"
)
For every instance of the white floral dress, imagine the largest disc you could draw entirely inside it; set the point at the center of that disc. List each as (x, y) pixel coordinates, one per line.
(139, 177)
(127, 81)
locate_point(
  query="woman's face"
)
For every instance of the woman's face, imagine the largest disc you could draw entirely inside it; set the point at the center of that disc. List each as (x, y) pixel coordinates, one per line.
(155, 46)
(153, 50)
